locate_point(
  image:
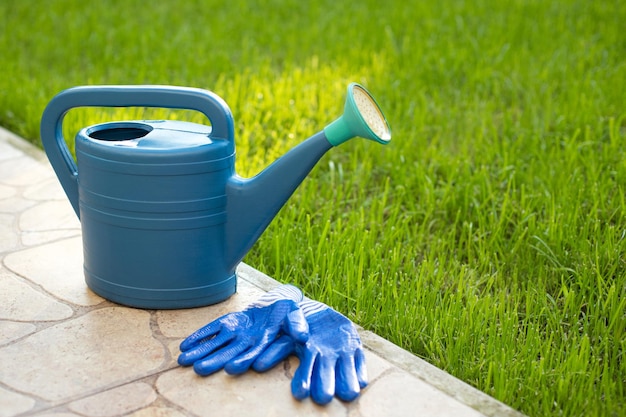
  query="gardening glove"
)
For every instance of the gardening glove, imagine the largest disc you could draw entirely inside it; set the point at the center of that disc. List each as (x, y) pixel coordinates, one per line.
(332, 361)
(235, 340)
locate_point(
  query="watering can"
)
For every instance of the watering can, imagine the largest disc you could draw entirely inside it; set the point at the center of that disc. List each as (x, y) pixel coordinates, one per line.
(165, 219)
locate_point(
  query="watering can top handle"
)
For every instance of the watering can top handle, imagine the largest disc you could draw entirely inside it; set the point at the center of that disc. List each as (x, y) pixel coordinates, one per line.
(171, 97)
(206, 102)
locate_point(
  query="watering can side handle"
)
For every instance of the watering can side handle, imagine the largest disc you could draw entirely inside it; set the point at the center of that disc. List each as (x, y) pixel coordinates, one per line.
(56, 149)
(206, 102)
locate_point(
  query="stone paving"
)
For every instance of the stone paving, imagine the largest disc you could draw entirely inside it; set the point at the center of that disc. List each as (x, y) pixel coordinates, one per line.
(64, 351)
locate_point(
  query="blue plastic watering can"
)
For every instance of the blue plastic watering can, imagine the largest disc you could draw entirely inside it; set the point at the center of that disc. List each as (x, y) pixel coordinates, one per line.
(165, 219)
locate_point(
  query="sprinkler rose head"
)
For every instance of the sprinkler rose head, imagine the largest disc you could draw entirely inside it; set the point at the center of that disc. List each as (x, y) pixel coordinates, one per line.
(362, 117)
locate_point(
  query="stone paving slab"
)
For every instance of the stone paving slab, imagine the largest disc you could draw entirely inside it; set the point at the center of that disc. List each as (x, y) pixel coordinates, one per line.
(65, 351)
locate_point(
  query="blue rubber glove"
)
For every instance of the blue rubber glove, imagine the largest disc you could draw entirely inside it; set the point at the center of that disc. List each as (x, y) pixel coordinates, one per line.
(332, 361)
(235, 340)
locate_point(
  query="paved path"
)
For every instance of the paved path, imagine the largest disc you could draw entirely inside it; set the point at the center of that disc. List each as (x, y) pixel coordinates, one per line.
(64, 351)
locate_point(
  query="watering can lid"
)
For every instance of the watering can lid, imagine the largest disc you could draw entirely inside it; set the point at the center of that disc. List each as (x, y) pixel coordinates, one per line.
(131, 139)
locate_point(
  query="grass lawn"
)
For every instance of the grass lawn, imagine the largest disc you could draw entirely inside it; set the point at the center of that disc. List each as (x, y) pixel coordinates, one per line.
(488, 238)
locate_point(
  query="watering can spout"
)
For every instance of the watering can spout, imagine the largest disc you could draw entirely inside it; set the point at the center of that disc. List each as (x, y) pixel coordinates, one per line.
(253, 203)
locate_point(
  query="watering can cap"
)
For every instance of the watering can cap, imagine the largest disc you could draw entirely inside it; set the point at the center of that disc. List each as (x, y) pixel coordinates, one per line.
(138, 141)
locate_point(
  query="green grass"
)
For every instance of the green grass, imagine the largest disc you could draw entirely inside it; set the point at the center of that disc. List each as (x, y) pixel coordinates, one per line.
(488, 238)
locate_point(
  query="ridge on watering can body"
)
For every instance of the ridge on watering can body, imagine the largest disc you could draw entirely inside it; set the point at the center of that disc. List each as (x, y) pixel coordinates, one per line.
(165, 218)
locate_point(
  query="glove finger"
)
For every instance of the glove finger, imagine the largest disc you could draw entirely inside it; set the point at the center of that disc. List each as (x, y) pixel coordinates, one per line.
(361, 369)
(275, 353)
(301, 382)
(323, 380)
(218, 359)
(190, 356)
(297, 326)
(347, 382)
(241, 363)
(199, 335)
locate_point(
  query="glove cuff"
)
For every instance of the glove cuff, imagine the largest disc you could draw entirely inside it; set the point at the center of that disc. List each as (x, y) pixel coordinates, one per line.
(282, 292)
(310, 307)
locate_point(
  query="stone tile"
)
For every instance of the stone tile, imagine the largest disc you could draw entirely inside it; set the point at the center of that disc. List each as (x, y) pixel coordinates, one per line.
(56, 414)
(400, 394)
(58, 268)
(376, 365)
(181, 323)
(10, 238)
(49, 215)
(174, 349)
(9, 152)
(49, 189)
(157, 412)
(82, 356)
(23, 303)
(10, 331)
(22, 147)
(116, 401)
(6, 191)
(40, 238)
(14, 204)
(267, 394)
(22, 171)
(14, 403)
